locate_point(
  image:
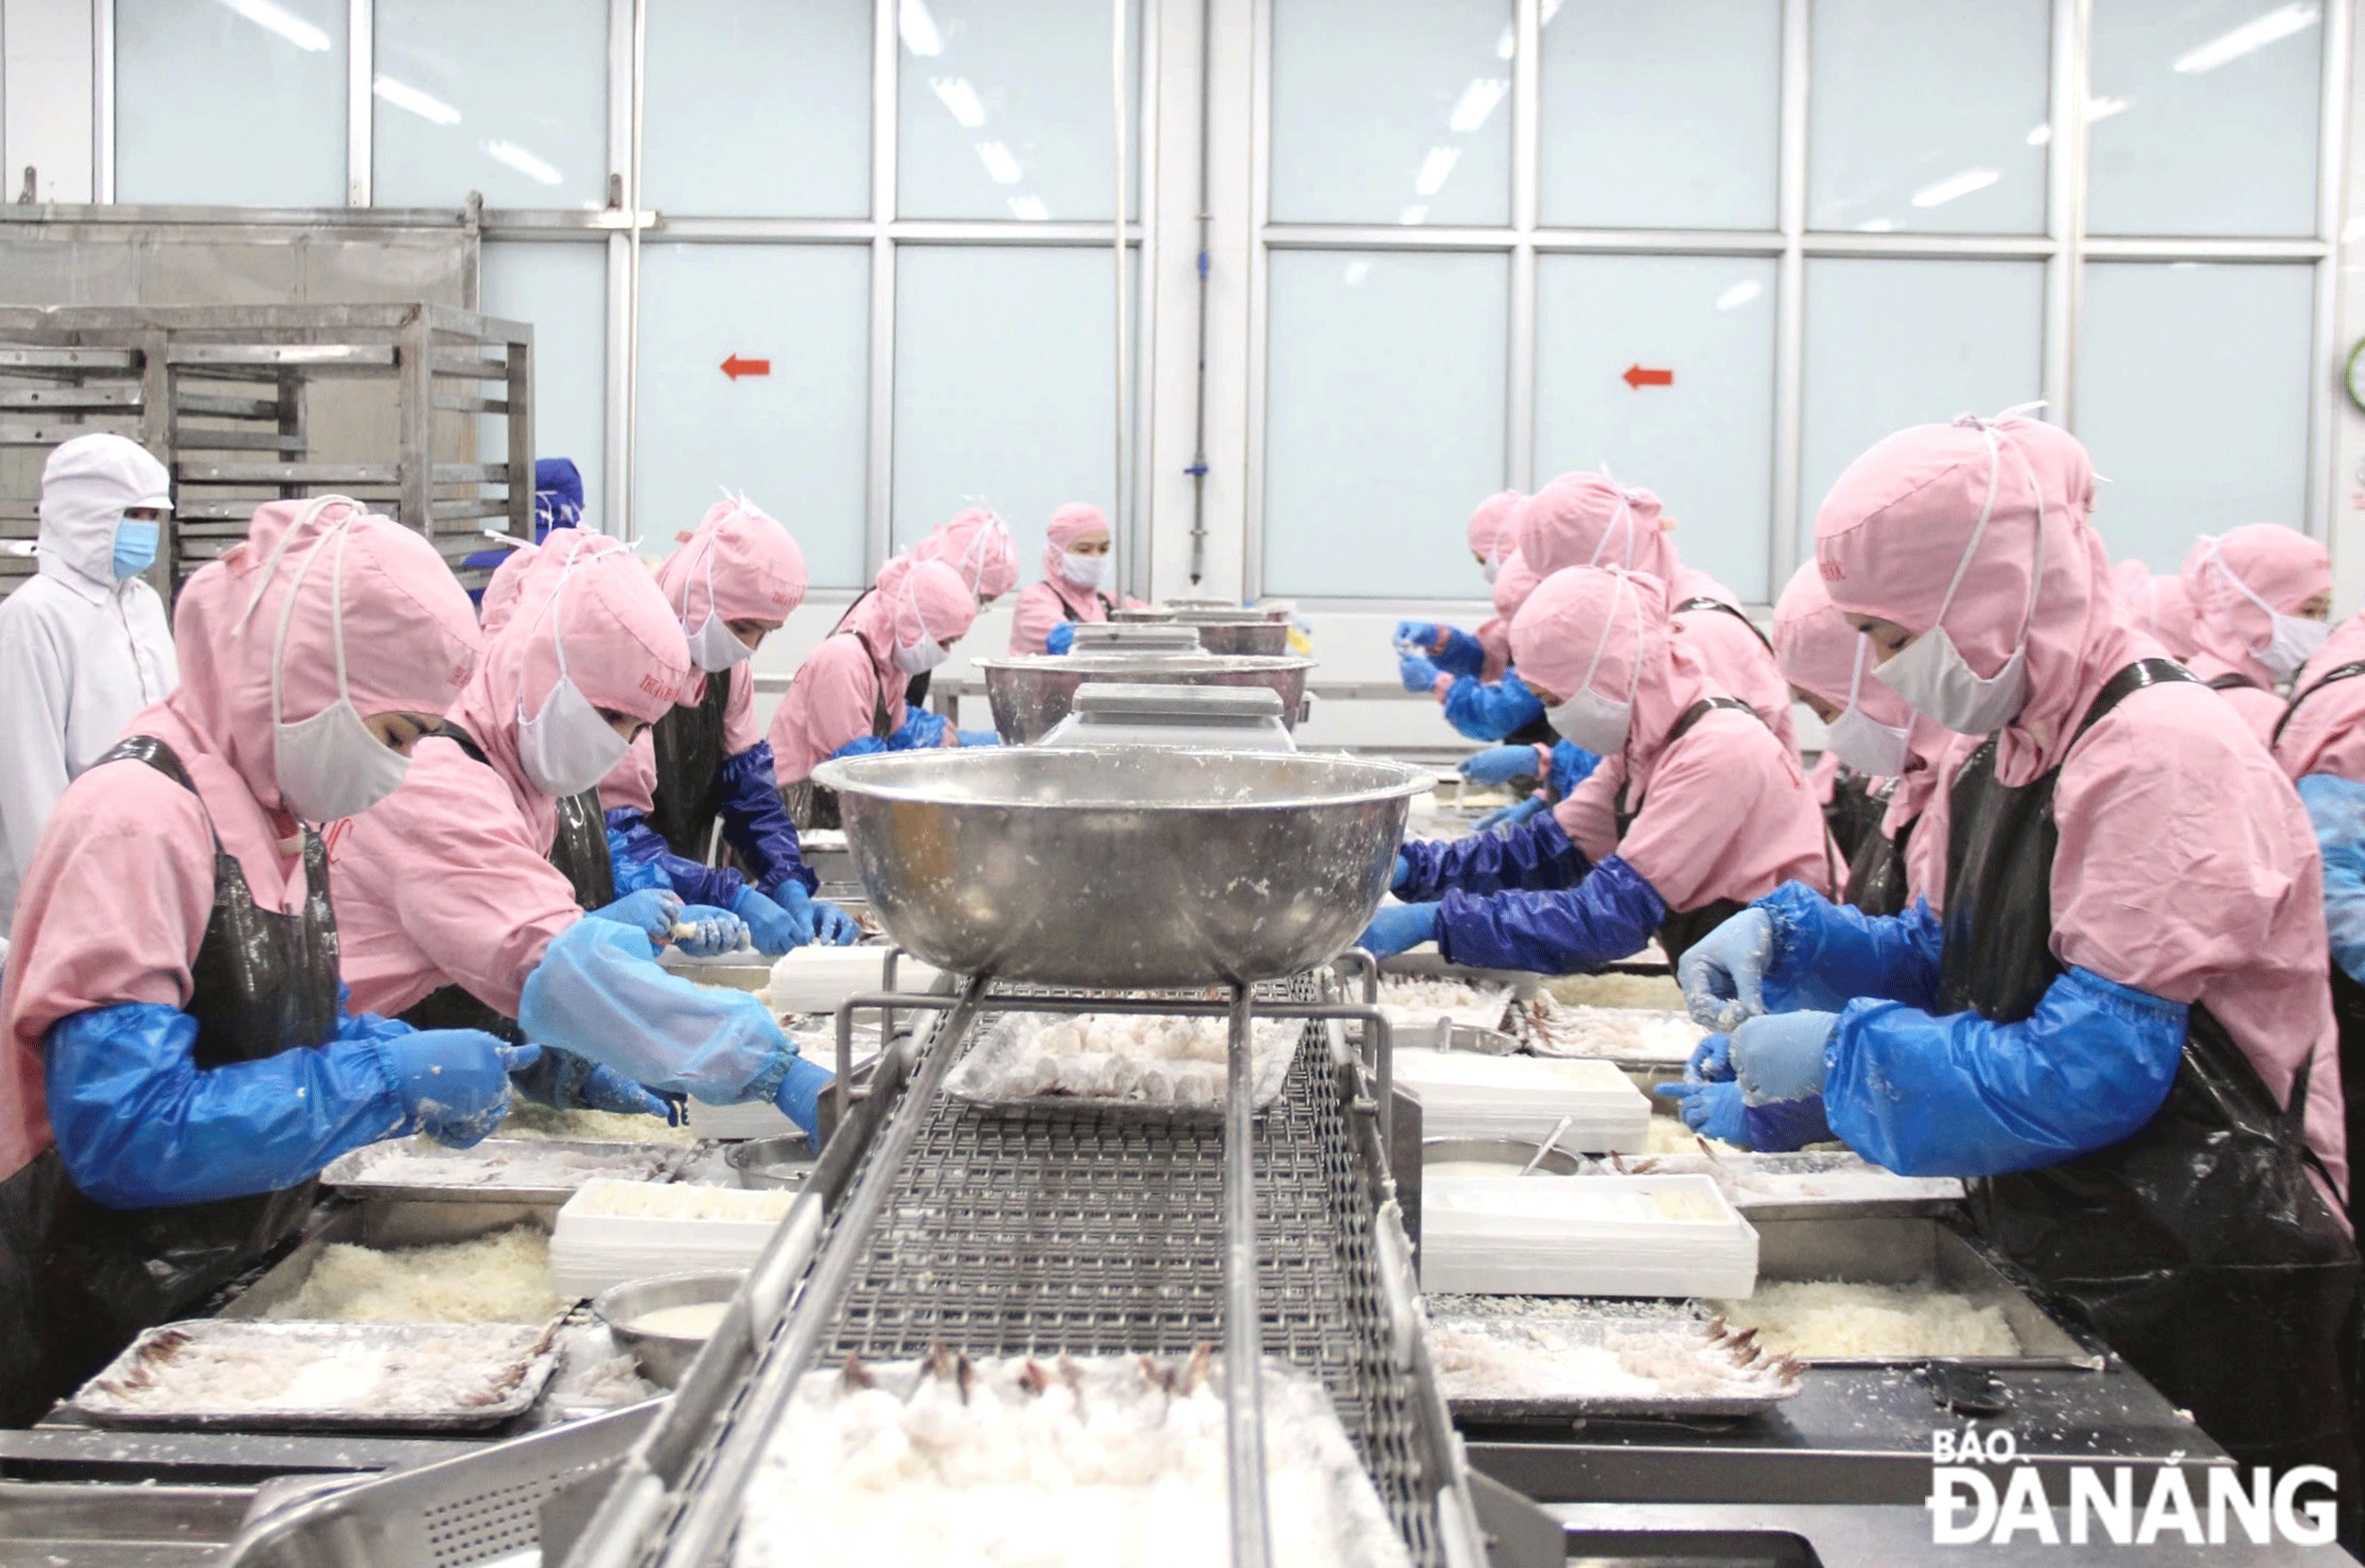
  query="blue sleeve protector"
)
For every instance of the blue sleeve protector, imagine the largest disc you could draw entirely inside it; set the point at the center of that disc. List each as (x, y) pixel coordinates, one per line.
(861, 746)
(141, 1126)
(1490, 712)
(643, 860)
(1957, 1095)
(1826, 955)
(1536, 854)
(1608, 916)
(2337, 809)
(921, 731)
(1457, 652)
(1571, 766)
(756, 824)
(598, 993)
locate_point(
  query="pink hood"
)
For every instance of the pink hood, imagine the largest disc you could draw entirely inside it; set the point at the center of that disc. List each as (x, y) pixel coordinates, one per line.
(1592, 520)
(1577, 612)
(1896, 526)
(1513, 585)
(509, 578)
(912, 600)
(737, 562)
(2279, 565)
(1819, 652)
(623, 649)
(410, 638)
(1493, 527)
(2157, 605)
(2326, 733)
(1069, 524)
(977, 544)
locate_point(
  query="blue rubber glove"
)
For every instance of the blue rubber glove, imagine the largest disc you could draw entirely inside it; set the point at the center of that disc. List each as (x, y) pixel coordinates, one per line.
(1062, 637)
(715, 932)
(569, 1082)
(1724, 974)
(1402, 872)
(1712, 1110)
(1779, 1057)
(1501, 764)
(652, 911)
(832, 927)
(1779, 1127)
(800, 1096)
(1711, 1061)
(454, 1083)
(980, 737)
(1418, 674)
(1397, 930)
(1421, 635)
(773, 928)
(1508, 817)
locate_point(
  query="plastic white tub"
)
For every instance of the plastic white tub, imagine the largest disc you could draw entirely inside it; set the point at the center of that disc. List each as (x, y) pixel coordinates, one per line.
(591, 1252)
(1584, 1236)
(1468, 1094)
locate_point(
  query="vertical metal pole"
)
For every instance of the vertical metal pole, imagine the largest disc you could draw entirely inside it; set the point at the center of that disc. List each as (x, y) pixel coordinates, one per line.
(878, 538)
(1243, 1335)
(2324, 483)
(102, 100)
(1789, 316)
(1526, 153)
(416, 469)
(1205, 221)
(632, 205)
(361, 83)
(2065, 155)
(1123, 497)
(518, 391)
(157, 431)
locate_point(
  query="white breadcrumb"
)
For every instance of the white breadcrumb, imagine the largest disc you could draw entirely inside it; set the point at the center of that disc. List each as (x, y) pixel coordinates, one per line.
(1822, 1319)
(500, 1278)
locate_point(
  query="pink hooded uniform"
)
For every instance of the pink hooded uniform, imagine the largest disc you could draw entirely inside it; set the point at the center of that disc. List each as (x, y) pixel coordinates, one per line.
(1493, 533)
(2157, 606)
(1514, 581)
(850, 688)
(1054, 599)
(977, 544)
(172, 1095)
(2324, 730)
(1823, 654)
(2241, 586)
(1591, 520)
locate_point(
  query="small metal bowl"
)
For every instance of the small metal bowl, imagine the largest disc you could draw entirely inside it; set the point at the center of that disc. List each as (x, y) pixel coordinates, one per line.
(663, 1358)
(1509, 1153)
(773, 1162)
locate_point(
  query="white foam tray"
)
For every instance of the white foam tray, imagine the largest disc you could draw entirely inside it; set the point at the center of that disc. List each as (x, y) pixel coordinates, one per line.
(818, 980)
(591, 1252)
(1584, 1236)
(1467, 1094)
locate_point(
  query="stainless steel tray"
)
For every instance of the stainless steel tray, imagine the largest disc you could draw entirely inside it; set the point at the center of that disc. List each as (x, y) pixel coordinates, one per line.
(514, 1363)
(1741, 1379)
(1006, 1039)
(513, 1170)
(1799, 1186)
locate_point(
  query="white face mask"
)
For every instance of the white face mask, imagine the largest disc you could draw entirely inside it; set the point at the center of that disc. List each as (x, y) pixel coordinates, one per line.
(568, 747)
(1930, 673)
(712, 643)
(1492, 569)
(1862, 742)
(2293, 639)
(1621, 527)
(925, 654)
(1589, 720)
(1086, 572)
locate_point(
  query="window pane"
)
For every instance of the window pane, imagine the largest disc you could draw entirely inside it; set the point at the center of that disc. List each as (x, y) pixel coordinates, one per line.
(1391, 113)
(1892, 343)
(563, 290)
(1704, 442)
(1661, 116)
(231, 105)
(759, 110)
(2192, 395)
(1004, 388)
(1006, 110)
(510, 101)
(2203, 118)
(794, 437)
(1385, 392)
(1928, 117)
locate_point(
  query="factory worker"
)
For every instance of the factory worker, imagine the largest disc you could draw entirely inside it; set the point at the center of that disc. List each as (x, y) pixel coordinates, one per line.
(450, 906)
(180, 1061)
(732, 582)
(1493, 534)
(1080, 574)
(2262, 596)
(2156, 606)
(2120, 1025)
(1870, 730)
(977, 544)
(84, 644)
(1501, 709)
(1592, 520)
(847, 699)
(1696, 808)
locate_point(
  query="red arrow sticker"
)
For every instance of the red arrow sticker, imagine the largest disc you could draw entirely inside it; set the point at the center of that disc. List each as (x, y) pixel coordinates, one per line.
(1637, 378)
(735, 367)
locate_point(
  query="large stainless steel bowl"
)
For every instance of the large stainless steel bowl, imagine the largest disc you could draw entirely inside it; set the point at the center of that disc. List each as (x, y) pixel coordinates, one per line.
(1032, 692)
(1239, 635)
(1120, 867)
(663, 1357)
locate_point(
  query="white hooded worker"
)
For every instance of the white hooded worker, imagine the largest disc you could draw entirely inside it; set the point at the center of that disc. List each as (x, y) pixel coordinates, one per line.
(84, 644)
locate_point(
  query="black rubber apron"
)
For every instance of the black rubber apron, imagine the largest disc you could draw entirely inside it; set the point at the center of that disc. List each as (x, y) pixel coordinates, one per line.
(1704, 602)
(687, 797)
(1851, 818)
(578, 850)
(1875, 872)
(1682, 928)
(2232, 682)
(810, 804)
(2343, 673)
(2198, 1248)
(262, 983)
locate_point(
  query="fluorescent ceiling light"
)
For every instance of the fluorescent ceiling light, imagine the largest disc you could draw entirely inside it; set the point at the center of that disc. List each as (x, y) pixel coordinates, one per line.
(2248, 39)
(523, 161)
(1000, 163)
(919, 29)
(1478, 101)
(285, 23)
(1876, 226)
(1357, 271)
(1508, 44)
(2041, 134)
(1435, 168)
(426, 106)
(2107, 107)
(1413, 216)
(1955, 186)
(960, 98)
(1739, 295)
(1552, 8)
(1030, 208)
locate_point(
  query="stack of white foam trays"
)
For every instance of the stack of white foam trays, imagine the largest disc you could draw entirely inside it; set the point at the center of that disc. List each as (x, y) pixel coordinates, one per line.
(1584, 1236)
(1467, 1094)
(611, 1231)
